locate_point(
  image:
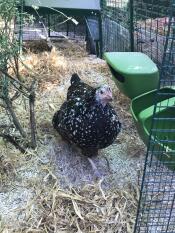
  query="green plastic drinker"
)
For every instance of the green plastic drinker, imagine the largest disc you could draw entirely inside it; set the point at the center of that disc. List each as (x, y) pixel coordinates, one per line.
(133, 72)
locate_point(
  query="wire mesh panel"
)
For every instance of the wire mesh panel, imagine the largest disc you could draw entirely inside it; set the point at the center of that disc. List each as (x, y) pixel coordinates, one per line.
(156, 211)
(42, 26)
(61, 26)
(116, 23)
(151, 25)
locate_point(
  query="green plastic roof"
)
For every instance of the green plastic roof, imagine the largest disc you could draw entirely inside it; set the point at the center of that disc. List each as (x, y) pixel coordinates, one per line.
(67, 4)
(130, 62)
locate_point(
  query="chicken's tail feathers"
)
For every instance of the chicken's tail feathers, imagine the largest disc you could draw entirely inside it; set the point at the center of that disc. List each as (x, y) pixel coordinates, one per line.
(75, 78)
(55, 120)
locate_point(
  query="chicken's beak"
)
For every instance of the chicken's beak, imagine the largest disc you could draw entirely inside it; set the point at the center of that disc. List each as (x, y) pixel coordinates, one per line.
(109, 97)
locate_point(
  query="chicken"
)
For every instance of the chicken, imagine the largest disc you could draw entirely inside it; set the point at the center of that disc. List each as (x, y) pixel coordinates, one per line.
(79, 89)
(86, 118)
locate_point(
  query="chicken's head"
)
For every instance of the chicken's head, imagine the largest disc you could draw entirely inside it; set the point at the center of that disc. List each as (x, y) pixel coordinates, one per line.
(103, 95)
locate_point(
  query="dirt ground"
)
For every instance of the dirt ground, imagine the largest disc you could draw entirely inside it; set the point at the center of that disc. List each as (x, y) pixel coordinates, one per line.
(53, 188)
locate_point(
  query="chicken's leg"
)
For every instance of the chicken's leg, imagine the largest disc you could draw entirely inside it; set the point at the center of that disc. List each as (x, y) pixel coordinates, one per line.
(89, 153)
(96, 172)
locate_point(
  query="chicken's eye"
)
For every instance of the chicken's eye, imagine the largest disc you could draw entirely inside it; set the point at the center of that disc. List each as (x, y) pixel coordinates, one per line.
(101, 92)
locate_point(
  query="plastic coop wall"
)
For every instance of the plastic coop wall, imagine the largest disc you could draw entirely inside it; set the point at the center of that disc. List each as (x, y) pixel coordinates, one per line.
(70, 4)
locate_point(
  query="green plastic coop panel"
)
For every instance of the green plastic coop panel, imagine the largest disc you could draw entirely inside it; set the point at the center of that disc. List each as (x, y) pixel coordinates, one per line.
(65, 4)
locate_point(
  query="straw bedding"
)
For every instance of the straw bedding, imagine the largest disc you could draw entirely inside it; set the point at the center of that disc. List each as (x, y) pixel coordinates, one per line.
(52, 188)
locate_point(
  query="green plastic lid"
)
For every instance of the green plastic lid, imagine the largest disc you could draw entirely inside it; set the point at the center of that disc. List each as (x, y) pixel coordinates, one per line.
(130, 62)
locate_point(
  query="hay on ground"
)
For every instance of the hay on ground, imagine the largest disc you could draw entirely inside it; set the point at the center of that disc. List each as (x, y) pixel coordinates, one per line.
(32, 199)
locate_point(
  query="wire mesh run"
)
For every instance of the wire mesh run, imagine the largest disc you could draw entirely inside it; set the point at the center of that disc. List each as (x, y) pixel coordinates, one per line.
(67, 27)
(53, 24)
(156, 212)
(151, 23)
(42, 26)
(116, 36)
(149, 20)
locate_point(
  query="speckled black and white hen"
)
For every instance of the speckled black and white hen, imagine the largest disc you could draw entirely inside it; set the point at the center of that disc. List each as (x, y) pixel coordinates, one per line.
(86, 118)
(79, 89)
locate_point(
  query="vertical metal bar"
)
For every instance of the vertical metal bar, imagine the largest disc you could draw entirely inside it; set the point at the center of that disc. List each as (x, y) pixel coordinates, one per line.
(48, 18)
(100, 35)
(21, 9)
(172, 205)
(32, 119)
(131, 28)
(74, 30)
(67, 28)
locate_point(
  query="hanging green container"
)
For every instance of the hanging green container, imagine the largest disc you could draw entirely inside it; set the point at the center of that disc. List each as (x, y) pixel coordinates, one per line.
(133, 72)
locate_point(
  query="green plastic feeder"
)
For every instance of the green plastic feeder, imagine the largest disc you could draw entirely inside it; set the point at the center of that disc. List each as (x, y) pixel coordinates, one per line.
(133, 72)
(142, 108)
